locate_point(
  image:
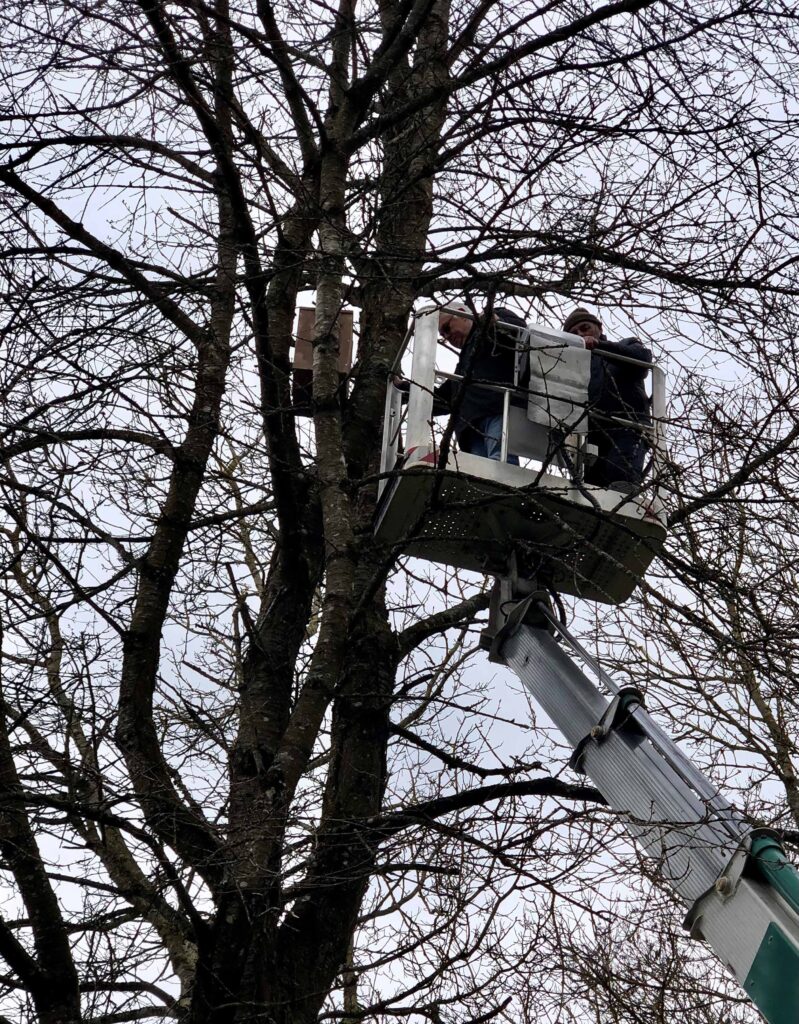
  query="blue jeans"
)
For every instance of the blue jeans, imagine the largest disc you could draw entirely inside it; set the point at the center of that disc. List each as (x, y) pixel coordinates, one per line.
(484, 437)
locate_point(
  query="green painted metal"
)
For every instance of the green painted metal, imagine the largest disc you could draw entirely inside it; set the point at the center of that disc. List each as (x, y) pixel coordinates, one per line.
(773, 979)
(770, 861)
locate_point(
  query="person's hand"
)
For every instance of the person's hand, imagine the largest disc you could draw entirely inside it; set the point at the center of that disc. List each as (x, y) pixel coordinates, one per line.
(589, 341)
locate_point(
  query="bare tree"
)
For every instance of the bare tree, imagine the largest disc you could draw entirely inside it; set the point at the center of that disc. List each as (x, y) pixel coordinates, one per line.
(251, 770)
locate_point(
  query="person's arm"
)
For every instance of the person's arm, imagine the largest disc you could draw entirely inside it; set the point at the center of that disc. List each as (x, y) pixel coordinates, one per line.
(632, 348)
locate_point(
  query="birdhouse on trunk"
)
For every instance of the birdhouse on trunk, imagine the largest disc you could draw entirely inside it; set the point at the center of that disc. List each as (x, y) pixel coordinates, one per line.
(302, 364)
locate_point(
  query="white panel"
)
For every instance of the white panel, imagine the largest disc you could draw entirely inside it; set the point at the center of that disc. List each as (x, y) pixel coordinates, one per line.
(530, 440)
(560, 368)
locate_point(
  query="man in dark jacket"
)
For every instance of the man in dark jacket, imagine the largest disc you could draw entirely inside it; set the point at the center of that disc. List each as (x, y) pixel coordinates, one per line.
(615, 391)
(487, 355)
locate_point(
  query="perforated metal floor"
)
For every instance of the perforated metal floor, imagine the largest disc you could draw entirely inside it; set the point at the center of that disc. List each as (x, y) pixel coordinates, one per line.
(596, 544)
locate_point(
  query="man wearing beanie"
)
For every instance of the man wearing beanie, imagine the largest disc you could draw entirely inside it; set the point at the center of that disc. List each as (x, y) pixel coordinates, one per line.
(615, 389)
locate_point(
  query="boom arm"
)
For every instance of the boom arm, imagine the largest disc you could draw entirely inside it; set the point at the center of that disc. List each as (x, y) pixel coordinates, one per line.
(741, 893)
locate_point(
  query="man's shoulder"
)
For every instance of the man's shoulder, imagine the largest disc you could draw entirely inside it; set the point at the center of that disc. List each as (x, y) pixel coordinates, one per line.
(507, 316)
(627, 346)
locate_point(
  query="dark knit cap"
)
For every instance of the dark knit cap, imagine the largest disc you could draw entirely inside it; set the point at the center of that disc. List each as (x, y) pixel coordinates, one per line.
(578, 316)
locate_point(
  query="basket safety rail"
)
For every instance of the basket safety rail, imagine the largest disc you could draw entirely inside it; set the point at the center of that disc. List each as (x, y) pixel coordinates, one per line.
(518, 432)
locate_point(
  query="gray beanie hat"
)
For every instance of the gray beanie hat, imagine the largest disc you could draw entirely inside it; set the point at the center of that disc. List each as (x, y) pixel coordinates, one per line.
(577, 317)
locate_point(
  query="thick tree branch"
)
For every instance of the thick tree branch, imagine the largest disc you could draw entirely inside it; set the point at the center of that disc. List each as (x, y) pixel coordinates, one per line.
(458, 615)
(430, 810)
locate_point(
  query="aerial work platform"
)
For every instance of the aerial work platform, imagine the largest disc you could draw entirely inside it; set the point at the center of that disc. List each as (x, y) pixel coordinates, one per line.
(473, 513)
(538, 527)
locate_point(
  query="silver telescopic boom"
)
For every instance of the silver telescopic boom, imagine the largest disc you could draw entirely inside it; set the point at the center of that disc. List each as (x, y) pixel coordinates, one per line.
(741, 894)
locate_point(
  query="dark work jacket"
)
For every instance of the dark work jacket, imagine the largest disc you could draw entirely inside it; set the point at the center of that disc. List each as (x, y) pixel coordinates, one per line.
(488, 354)
(618, 388)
